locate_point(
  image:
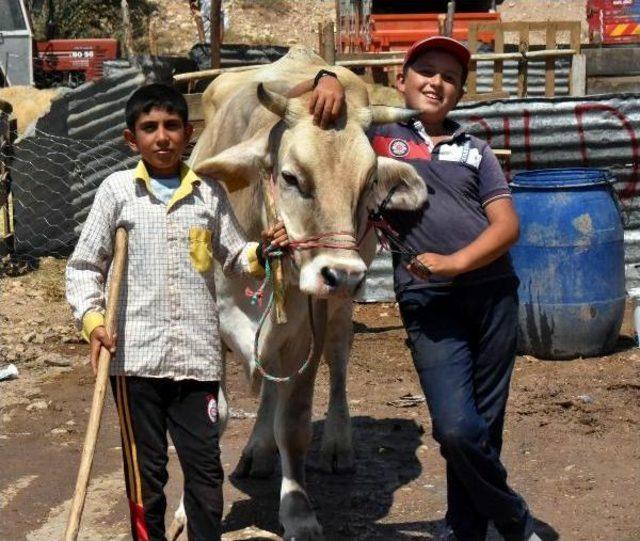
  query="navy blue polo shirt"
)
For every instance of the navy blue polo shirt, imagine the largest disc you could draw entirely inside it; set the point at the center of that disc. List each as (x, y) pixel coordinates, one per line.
(462, 175)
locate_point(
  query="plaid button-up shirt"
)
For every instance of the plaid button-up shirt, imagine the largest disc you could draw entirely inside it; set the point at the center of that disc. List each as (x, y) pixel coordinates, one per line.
(167, 315)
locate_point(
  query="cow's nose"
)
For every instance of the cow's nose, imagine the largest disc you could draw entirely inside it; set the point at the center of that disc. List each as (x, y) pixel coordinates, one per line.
(343, 279)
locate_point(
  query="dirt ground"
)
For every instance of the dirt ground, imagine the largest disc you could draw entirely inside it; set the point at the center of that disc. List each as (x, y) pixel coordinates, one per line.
(572, 437)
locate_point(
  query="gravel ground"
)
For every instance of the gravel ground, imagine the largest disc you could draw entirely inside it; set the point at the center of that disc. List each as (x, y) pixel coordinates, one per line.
(571, 442)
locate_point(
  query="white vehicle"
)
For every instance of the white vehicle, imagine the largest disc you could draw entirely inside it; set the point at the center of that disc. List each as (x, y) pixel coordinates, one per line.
(16, 44)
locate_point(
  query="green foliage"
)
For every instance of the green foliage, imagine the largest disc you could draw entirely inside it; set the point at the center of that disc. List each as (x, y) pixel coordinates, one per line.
(95, 19)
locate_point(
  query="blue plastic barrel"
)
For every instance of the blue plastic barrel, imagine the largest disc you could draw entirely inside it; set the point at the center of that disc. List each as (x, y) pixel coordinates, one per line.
(570, 261)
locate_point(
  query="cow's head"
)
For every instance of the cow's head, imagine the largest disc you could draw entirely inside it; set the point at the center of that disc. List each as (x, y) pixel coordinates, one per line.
(324, 181)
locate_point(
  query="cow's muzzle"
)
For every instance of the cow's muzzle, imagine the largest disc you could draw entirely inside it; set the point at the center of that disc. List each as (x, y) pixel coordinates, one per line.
(328, 275)
(344, 281)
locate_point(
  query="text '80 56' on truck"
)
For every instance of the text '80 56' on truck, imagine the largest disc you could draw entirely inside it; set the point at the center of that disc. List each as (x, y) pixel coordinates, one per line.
(52, 62)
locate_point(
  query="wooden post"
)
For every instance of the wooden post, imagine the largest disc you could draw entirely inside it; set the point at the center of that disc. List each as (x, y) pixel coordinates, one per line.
(472, 77)
(102, 381)
(126, 29)
(216, 32)
(550, 67)
(498, 65)
(523, 47)
(5, 140)
(328, 42)
(578, 81)
(339, 45)
(442, 23)
(451, 13)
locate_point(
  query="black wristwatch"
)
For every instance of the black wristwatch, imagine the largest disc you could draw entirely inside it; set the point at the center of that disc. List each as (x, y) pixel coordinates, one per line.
(321, 74)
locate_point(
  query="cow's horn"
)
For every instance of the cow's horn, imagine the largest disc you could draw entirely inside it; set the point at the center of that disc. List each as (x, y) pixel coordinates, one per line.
(276, 103)
(383, 114)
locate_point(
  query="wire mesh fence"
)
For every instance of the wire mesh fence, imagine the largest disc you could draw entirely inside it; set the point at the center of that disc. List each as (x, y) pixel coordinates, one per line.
(54, 180)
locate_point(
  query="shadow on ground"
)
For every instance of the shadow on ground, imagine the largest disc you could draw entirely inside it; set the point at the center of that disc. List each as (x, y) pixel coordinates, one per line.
(350, 507)
(361, 328)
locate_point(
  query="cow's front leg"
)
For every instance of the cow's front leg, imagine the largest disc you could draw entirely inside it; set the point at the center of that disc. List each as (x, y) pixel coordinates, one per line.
(293, 435)
(259, 457)
(336, 451)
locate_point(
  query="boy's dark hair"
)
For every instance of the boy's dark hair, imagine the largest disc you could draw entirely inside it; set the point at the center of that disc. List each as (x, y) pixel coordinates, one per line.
(155, 95)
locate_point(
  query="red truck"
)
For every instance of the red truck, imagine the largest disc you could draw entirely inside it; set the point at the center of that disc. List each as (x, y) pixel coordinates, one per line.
(54, 62)
(71, 62)
(614, 21)
(393, 25)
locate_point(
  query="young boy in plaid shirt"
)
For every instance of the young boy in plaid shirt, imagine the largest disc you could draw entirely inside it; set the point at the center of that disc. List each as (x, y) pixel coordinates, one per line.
(166, 370)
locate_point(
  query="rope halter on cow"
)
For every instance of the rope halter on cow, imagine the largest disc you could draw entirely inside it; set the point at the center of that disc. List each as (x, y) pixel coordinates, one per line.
(256, 298)
(339, 240)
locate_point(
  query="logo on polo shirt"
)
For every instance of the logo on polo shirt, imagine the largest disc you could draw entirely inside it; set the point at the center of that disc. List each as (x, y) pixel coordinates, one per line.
(212, 408)
(398, 148)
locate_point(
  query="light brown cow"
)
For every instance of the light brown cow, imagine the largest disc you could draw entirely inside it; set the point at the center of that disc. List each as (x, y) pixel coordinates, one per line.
(324, 181)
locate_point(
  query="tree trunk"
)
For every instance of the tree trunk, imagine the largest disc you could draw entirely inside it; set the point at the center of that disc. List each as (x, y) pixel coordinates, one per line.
(216, 32)
(127, 31)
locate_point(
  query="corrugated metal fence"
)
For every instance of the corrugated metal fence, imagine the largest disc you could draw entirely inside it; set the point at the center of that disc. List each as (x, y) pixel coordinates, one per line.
(57, 169)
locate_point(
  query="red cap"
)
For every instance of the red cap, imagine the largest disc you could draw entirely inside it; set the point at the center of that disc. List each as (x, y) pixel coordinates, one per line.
(441, 43)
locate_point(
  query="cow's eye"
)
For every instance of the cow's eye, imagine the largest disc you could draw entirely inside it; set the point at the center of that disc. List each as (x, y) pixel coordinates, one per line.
(290, 179)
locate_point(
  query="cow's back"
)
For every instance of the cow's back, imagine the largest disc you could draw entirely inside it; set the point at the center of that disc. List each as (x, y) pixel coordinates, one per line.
(231, 107)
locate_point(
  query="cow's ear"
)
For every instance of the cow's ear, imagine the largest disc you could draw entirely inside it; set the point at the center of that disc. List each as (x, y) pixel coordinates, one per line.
(240, 165)
(409, 190)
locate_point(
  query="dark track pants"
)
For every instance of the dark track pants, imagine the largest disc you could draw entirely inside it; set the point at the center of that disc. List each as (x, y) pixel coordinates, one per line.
(147, 408)
(463, 342)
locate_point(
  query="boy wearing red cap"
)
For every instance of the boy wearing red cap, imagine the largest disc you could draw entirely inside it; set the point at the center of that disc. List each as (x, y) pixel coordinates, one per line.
(458, 296)
(457, 290)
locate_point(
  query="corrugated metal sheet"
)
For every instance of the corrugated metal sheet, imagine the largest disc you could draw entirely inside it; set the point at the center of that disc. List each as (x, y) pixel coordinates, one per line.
(594, 131)
(234, 55)
(59, 166)
(535, 77)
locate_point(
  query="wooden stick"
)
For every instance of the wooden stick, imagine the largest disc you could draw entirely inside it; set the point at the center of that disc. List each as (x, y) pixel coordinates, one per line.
(276, 264)
(102, 380)
(203, 74)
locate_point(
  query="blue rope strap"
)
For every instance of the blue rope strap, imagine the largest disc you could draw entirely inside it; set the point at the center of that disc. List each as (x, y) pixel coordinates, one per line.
(255, 299)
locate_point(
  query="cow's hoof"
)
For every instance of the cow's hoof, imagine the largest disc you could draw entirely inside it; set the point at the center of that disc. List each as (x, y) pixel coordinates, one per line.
(310, 532)
(298, 519)
(334, 460)
(256, 465)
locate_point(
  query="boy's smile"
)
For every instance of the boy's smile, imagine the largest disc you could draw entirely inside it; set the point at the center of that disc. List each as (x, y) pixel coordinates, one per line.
(160, 138)
(433, 85)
